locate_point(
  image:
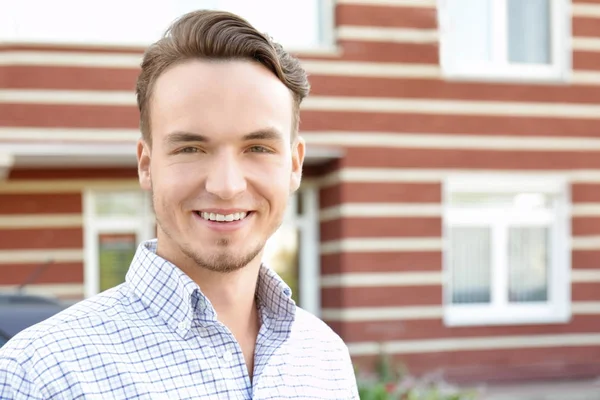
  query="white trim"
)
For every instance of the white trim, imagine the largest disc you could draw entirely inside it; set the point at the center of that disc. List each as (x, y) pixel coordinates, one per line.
(396, 175)
(392, 3)
(28, 221)
(382, 313)
(449, 141)
(69, 134)
(371, 69)
(452, 107)
(382, 279)
(585, 78)
(66, 186)
(358, 245)
(586, 44)
(586, 243)
(309, 261)
(585, 275)
(313, 67)
(333, 103)
(399, 210)
(474, 343)
(585, 210)
(73, 97)
(585, 10)
(399, 279)
(30, 256)
(391, 35)
(70, 59)
(586, 307)
(367, 314)
(402, 244)
(55, 290)
(380, 210)
(547, 183)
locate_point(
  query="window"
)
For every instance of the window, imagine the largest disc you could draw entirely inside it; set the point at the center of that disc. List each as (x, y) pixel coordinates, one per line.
(297, 25)
(115, 223)
(292, 251)
(504, 39)
(506, 250)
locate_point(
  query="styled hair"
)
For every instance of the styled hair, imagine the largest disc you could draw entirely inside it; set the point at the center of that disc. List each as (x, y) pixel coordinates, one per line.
(216, 35)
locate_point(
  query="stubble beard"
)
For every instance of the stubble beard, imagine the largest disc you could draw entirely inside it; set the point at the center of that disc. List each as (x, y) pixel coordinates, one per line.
(223, 260)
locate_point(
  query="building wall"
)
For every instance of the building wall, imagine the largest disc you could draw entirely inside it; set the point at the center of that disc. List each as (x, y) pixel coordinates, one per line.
(381, 222)
(381, 96)
(41, 221)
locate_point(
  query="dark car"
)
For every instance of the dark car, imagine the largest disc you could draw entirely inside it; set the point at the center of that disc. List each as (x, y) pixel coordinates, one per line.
(20, 311)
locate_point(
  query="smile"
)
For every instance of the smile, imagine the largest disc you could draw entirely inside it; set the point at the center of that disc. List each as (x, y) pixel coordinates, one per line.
(209, 216)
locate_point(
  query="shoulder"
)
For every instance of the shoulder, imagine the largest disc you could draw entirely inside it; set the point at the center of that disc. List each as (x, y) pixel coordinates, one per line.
(308, 327)
(65, 329)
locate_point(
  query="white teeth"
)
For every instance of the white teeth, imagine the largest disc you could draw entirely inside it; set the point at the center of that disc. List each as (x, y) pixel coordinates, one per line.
(223, 218)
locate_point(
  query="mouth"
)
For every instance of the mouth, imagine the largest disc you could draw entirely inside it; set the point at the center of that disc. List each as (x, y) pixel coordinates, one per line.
(224, 218)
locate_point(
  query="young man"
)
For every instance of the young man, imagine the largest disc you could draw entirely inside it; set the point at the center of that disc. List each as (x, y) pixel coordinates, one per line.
(199, 316)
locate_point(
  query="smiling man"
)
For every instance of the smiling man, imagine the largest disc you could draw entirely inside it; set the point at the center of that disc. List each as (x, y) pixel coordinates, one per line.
(199, 315)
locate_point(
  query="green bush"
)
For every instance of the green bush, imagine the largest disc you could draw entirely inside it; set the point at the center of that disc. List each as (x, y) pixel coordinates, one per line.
(393, 382)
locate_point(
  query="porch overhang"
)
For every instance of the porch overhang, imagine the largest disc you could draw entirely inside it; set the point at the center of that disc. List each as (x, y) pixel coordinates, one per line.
(102, 155)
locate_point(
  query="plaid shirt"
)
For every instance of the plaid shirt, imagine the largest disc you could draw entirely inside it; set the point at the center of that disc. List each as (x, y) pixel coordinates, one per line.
(156, 336)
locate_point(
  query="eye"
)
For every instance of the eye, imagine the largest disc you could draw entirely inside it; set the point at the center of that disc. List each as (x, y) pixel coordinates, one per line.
(188, 150)
(259, 149)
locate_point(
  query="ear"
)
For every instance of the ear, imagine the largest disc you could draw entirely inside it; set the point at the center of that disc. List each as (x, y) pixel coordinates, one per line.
(143, 159)
(298, 151)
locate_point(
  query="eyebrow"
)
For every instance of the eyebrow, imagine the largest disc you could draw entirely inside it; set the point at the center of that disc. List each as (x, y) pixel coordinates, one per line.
(179, 137)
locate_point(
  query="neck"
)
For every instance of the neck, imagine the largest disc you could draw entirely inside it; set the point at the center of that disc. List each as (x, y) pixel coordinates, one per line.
(231, 294)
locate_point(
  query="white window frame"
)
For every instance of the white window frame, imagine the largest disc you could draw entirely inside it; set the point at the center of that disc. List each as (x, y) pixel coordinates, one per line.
(326, 25)
(307, 225)
(499, 312)
(142, 225)
(499, 69)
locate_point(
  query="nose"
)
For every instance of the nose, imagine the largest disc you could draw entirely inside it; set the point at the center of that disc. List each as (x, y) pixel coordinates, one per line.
(225, 178)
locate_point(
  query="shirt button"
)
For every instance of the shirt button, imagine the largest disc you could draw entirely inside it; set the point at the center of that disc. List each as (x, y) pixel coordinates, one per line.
(227, 356)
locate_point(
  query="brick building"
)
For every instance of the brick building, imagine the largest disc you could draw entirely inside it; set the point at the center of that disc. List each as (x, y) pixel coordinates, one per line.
(450, 213)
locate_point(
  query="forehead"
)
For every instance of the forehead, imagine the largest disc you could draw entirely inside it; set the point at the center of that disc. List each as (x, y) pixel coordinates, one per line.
(220, 98)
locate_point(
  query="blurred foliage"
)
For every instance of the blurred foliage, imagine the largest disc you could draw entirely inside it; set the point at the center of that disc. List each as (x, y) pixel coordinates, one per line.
(392, 381)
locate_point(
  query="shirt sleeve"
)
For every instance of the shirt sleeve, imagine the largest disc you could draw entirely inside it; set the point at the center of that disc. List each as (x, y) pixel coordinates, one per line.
(14, 382)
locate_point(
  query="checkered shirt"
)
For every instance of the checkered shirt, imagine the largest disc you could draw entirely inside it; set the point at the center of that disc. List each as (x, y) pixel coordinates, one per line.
(156, 336)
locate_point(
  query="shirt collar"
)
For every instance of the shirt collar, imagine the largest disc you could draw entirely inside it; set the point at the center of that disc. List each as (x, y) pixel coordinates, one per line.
(178, 300)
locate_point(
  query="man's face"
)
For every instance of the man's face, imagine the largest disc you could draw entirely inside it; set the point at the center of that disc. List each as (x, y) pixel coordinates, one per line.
(222, 165)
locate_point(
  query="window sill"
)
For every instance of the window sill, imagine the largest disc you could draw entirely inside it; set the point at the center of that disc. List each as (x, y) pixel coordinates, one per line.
(317, 51)
(456, 316)
(513, 74)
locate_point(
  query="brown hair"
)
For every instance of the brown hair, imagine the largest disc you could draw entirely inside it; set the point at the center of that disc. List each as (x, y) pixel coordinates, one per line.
(216, 35)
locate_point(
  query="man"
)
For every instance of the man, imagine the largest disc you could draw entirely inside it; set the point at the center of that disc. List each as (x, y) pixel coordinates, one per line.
(199, 316)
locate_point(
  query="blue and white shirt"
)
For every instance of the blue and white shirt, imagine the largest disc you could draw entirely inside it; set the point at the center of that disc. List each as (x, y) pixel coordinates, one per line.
(156, 336)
